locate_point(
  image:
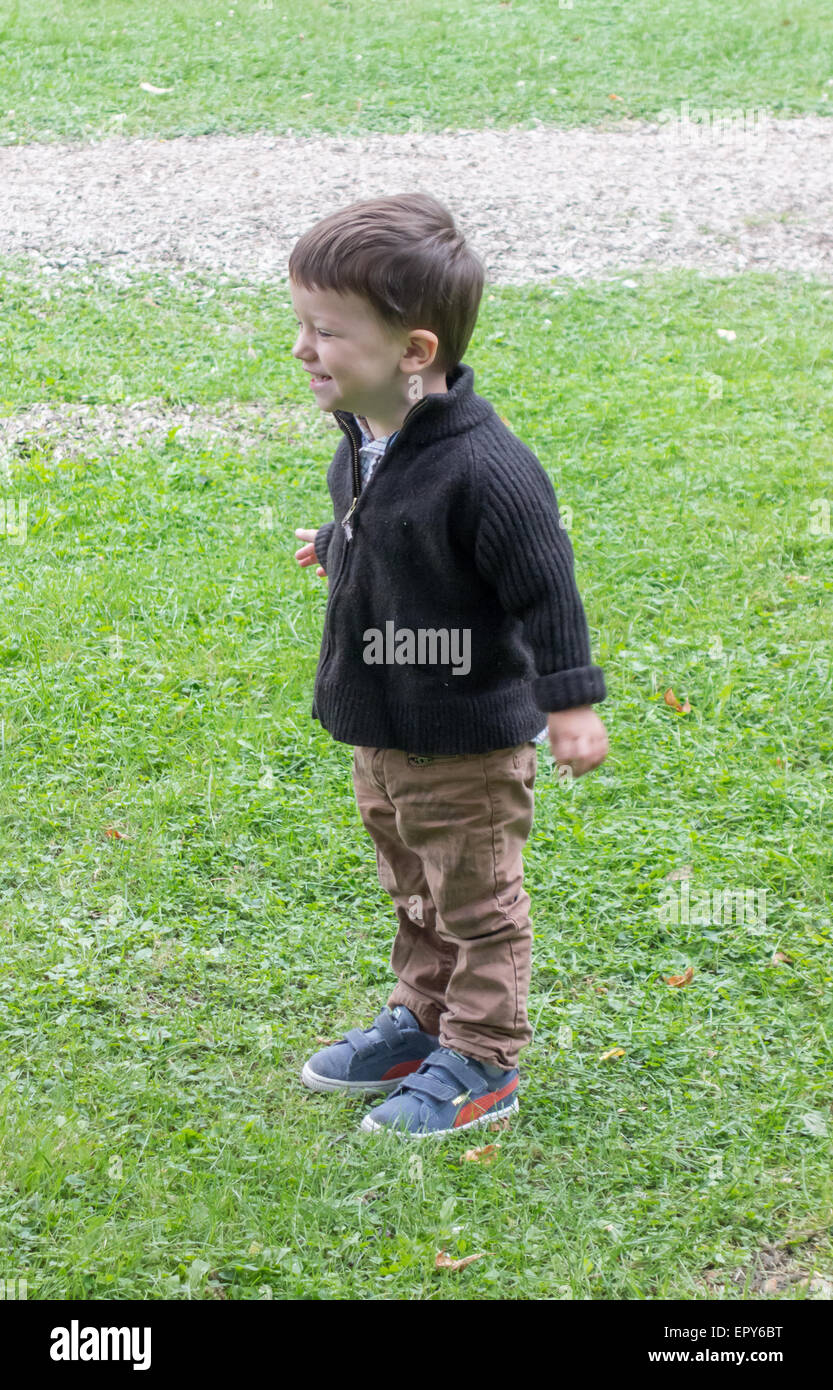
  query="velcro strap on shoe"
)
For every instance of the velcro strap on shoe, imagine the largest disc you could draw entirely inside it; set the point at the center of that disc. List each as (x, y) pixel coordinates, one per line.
(362, 1044)
(430, 1085)
(469, 1079)
(359, 1041)
(387, 1027)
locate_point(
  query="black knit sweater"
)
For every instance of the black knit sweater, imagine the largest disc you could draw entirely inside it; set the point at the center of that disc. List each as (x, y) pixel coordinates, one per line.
(456, 533)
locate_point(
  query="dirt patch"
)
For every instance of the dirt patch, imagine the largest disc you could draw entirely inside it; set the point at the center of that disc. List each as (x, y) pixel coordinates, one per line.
(775, 1270)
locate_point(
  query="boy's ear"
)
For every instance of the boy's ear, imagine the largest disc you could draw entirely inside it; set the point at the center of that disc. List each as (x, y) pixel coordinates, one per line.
(421, 350)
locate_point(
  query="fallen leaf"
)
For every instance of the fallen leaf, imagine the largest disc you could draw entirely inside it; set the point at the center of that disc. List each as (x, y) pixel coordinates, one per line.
(780, 958)
(497, 1125)
(681, 979)
(684, 871)
(114, 834)
(328, 1042)
(727, 334)
(154, 91)
(671, 699)
(444, 1261)
(484, 1155)
(614, 1052)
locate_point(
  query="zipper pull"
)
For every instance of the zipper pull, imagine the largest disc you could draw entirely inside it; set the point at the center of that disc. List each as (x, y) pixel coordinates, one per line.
(345, 521)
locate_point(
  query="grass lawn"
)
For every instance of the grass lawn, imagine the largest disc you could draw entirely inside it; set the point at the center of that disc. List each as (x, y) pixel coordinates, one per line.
(188, 900)
(75, 68)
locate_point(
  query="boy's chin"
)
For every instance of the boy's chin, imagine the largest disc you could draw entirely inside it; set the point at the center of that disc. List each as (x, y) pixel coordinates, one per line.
(330, 398)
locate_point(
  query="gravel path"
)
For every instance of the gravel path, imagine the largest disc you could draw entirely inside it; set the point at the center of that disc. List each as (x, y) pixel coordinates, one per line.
(80, 431)
(579, 203)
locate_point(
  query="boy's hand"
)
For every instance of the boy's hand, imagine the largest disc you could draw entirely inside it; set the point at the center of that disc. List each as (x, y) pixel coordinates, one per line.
(306, 555)
(578, 739)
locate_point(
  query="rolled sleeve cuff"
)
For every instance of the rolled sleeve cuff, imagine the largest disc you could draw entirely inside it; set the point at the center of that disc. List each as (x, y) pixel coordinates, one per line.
(583, 685)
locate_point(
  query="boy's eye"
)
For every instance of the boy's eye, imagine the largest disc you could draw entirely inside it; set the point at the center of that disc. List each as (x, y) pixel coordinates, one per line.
(320, 330)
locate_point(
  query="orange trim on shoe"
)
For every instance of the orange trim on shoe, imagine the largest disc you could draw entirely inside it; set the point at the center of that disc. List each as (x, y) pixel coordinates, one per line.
(475, 1108)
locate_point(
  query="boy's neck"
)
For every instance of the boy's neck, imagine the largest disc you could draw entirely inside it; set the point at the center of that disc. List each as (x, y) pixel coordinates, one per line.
(380, 427)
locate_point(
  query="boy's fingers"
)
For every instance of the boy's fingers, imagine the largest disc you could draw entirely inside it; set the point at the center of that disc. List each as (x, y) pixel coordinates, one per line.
(590, 760)
(582, 759)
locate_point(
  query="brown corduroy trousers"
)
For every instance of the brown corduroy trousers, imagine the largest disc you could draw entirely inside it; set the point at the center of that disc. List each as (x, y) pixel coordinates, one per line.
(449, 833)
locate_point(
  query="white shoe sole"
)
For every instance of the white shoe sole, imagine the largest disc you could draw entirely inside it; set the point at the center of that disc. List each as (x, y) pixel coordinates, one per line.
(315, 1082)
(371, 1126)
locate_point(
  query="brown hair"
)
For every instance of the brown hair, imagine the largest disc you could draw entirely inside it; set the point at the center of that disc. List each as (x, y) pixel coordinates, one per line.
(405, 255)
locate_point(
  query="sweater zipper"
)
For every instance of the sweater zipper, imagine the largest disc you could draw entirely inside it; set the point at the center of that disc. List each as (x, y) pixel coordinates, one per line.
(345, 520)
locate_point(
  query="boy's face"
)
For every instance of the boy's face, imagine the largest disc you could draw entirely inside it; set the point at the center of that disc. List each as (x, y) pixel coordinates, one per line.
(341, 337)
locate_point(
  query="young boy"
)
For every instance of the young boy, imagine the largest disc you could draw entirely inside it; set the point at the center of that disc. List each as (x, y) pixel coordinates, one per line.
(453, 626)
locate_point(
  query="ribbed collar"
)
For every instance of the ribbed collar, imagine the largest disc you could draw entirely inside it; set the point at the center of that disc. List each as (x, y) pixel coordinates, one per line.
(439, 415)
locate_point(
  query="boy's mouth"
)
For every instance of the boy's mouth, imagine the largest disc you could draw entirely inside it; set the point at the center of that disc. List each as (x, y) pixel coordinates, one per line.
(316, 380)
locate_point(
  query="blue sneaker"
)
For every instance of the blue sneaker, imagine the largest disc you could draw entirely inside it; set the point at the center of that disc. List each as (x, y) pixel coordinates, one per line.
(372, 1059)
(447, 1094)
